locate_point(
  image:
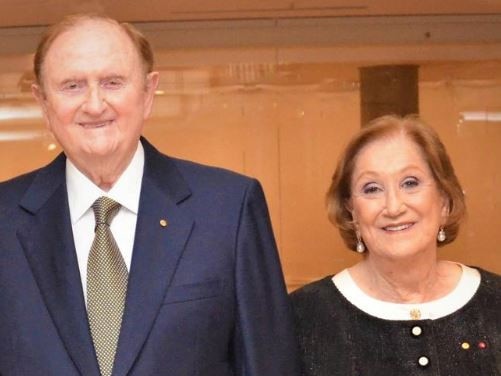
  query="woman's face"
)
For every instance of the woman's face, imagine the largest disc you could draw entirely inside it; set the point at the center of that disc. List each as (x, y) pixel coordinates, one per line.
(395, 202)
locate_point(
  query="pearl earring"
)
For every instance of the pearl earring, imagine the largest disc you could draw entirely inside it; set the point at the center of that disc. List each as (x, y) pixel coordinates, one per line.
(360, 245)
(441, 235)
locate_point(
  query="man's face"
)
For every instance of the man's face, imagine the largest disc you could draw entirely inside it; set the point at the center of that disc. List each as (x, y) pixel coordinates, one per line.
(95, 94)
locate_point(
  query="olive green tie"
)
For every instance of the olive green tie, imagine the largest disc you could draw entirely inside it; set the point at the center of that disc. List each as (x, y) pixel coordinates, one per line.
(106, 285)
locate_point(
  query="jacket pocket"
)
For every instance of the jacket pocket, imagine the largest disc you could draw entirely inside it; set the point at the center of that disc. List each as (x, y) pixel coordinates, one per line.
(193, 291)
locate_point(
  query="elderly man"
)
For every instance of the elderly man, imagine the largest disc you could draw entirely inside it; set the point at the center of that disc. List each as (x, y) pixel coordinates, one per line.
(118, 260)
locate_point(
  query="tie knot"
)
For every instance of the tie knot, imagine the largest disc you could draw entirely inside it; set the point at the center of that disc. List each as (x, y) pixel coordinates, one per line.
(105, 210)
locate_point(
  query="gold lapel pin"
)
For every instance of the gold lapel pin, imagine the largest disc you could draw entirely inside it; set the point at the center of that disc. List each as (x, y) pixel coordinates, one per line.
(415, 314)
(163, 223)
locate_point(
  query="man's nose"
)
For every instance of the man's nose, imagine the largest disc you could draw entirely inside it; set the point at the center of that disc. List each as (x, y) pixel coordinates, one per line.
(95, 102)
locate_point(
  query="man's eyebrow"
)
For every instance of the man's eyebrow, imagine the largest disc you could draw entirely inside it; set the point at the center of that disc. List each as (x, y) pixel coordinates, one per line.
(70, 79)
(113, 76)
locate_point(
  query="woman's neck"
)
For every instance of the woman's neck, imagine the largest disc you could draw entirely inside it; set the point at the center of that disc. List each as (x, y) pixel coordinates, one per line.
(405, 281)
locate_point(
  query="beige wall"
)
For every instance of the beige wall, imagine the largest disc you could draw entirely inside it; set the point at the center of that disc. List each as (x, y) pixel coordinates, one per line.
(286, 125)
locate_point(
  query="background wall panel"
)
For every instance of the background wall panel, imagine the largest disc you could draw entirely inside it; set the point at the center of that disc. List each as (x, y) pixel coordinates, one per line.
(282, 113)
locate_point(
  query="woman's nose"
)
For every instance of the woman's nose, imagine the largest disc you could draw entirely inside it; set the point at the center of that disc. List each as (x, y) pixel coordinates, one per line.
(394, 202)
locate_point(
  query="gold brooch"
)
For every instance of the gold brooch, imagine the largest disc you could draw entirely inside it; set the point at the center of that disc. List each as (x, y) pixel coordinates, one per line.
(415, 314)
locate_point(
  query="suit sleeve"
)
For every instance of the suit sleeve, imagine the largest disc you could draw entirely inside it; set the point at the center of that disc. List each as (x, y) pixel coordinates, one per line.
(264, 342)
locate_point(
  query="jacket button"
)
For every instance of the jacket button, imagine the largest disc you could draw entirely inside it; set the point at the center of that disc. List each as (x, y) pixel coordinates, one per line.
(423, 361)
(416, 331)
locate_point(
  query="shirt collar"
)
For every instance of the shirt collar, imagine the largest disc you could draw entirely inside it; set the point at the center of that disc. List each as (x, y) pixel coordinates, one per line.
(82, 192)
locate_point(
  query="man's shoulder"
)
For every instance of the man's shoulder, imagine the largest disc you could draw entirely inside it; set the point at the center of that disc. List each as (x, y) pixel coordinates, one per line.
(195, 170)
(190, 171)
(11, 193)
(17, 185)
(43, 179)
(209, 181)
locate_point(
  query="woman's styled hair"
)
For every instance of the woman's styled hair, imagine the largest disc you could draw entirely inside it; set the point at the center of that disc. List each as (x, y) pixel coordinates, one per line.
(434, 154)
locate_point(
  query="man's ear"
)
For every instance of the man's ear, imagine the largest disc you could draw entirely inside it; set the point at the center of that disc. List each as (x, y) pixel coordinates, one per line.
(40, 97)
(37, 92)
(152, 80)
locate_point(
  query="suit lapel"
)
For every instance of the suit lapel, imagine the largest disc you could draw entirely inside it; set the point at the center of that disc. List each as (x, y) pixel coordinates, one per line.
(157, 250)
(47, 240)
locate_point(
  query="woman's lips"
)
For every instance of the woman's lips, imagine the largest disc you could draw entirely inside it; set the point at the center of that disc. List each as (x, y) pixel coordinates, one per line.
(398, 227)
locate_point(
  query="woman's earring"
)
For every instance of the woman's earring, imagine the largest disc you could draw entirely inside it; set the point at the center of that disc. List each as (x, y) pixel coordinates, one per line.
(441, 235)
(360, 243)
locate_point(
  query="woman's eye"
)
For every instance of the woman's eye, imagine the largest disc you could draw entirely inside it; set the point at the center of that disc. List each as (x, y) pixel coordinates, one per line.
(371, 189)
(410, 183)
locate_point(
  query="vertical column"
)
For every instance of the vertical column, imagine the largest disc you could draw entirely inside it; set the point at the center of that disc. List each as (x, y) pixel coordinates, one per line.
(388, 89)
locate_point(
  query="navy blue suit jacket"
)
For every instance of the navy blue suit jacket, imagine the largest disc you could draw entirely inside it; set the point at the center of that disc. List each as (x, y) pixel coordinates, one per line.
(205, 297)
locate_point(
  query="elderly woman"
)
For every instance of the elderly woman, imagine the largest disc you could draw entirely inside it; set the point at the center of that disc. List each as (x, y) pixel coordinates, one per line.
(399, 311)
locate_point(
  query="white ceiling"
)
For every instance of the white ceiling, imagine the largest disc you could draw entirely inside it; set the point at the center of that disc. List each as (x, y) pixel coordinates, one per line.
(43, 12)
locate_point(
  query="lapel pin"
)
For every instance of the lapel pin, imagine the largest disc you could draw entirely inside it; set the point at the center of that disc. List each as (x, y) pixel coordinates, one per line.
(482, 345)
(163, 223)
(415, 314)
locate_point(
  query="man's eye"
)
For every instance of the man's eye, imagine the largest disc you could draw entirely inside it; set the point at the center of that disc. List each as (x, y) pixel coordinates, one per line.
(113, 83)
(71, 86)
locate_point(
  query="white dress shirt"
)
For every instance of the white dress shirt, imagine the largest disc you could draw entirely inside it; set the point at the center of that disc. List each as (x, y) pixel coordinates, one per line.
(82, 193)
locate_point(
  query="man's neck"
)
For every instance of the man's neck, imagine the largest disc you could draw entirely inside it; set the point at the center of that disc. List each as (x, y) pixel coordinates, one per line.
(103, 172)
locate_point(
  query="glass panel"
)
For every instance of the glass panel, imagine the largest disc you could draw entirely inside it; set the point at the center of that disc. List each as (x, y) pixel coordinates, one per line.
(286, 125)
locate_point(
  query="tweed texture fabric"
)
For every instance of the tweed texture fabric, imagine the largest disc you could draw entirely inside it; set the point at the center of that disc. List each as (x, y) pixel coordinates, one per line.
(338, 339)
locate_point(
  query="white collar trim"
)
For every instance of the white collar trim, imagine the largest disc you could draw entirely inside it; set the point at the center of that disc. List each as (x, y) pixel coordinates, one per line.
(457, 298)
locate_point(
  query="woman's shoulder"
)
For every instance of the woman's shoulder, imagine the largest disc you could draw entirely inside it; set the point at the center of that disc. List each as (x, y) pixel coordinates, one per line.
(315, 299)
(490, 282)
(487, 299)
(313, 289)
(316, 306)
(488, 275)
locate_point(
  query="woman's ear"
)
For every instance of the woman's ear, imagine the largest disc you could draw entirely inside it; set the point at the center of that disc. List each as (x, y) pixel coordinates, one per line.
(445, 209)
(349, 206)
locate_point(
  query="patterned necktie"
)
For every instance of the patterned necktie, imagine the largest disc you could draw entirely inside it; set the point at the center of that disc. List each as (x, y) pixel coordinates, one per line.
(106, 285)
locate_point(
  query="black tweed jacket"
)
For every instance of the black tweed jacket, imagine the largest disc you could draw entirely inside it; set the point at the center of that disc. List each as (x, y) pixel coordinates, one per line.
(338, 339)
